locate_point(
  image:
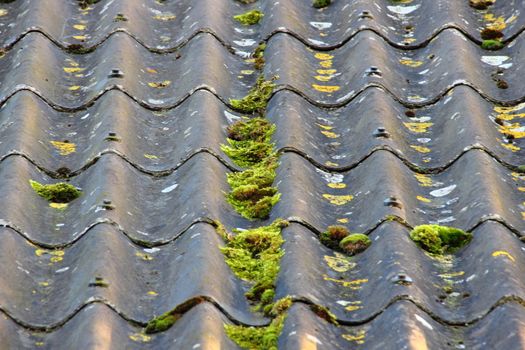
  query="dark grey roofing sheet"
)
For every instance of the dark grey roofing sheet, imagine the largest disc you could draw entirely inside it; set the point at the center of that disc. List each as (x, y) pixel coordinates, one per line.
(448, 160)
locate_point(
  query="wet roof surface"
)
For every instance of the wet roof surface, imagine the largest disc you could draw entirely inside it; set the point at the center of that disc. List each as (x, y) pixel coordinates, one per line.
(395, 102)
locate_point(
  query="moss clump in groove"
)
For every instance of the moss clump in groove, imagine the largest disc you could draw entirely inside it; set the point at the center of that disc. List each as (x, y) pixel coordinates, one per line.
(319, 4)
(339, 238)
(257, 337)
(57, 193)
(249, 18)
(438, 239)
(252, 194)
(168, 319)
(492, 44)
(257, 98)
(254, 256)
(258, 56)
(249, 141)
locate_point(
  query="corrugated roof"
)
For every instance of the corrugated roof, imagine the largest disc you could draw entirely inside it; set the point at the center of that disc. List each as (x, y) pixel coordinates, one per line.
(388, 115)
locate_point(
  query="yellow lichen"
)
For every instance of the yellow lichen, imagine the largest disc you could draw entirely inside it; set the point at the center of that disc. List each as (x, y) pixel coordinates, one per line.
(326, 88)
(73, 69)
(421, 149)
(159, 84)
(423, 199)
(323, 56)
(326, 64)
(503, 253)
(326, 71)
(424, 180)
(358, 338)
(339, 262)
(330, 134)
(64, 148)
(59, 206)
(338, 200)
(411, 63)
(418, 127)
(336, 185)
(354, 284)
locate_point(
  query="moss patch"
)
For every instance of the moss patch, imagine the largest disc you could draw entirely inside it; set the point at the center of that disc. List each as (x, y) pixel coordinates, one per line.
(249, 18)
(333, 235)
(254, 256)
(257, 98)
(319, 4)
(257, 337)
(491, 44)
(339, 238)
(57, 193)
(437, 239)
(355, 243)
(252, 194)
(168, 319)
(258, 56)
(249, 141)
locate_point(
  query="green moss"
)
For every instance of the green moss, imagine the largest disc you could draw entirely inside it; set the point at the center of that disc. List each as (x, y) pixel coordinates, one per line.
(253, 195)
(333, 235)
(85, 3)
(168, 319)
(255, 338)
(249, 141)
(492, 44)
(439, 239)
(355, 243)
(258, 56)
(249, 18)
(161, 323)
(257, 98)
(254, 256)
(57, 193)
(319, 4)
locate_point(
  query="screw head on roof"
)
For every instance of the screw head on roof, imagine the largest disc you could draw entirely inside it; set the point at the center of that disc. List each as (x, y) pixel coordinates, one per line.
(116, 73)
(381, 132)
(374, 71)
(402, 279)
(366, 14)
(393, 201)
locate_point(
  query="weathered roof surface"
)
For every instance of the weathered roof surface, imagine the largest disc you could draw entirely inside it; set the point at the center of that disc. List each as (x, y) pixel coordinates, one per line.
(410, 119)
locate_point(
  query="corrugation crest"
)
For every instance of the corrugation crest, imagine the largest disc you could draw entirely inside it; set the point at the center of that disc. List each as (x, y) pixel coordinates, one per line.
(171, 24)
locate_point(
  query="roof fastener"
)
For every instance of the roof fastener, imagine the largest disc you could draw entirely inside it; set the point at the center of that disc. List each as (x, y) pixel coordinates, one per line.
(381, 132)
(116, 73)
(392, 201)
